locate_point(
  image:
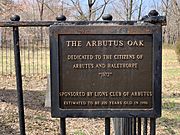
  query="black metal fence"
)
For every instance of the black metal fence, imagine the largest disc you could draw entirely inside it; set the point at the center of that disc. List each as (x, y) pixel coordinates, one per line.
(34, 57)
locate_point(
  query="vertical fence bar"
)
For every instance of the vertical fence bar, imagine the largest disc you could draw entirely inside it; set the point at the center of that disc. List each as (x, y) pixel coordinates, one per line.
(152, 126)
(1, 40)
(28, 43)
(41, 59)
(46, 55)
(37, 49)
(6, 57)
(139, 126)
(33, 54)
(134, 126)
(145, 127)
(2, 57)
(107, 120)
(130, 126)
(107, 126)
(24, 50)
(9, 57)
(126, 126)
(63, 126)
(10, 48)
(18, 75)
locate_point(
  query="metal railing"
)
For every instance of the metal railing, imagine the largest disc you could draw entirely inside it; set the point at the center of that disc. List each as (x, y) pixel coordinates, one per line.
(129, 126)
(34, 57)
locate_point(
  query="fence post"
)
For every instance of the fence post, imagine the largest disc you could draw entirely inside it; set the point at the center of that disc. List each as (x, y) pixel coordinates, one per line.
(123, 126)
(107, 126)
(152, 126)
(18, 75)
(63, 126)
(62, 18)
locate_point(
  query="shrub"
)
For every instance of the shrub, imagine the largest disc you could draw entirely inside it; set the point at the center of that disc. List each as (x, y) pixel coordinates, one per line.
(178, 49)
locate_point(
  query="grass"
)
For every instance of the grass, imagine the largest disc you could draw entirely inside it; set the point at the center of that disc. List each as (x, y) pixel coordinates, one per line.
(79, 133)
(169, 123)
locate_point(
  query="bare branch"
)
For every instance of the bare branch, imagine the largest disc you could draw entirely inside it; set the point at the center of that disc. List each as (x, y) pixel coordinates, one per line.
(102, 12)
(117, 12)
(90, 3)
(176, 5)
(49, 8)
(166, 4)
(130, 9)
(140, 9)
(78, 8)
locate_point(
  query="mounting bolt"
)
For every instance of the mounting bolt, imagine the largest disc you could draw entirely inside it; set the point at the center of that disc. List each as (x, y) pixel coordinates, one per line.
(153, 13)
(107, 17)
(15, 18)
(61, 18)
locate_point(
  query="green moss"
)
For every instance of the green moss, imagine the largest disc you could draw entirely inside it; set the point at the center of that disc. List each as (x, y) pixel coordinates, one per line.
(79, 132)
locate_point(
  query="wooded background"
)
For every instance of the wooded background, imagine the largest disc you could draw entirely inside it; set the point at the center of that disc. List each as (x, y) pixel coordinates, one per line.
(89, 10)
(34, 45)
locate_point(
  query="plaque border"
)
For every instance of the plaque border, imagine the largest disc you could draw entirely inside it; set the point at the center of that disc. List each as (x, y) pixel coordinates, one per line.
(155, 31)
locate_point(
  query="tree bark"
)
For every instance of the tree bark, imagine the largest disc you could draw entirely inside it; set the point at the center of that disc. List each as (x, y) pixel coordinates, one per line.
(130, 10)
(140, 9)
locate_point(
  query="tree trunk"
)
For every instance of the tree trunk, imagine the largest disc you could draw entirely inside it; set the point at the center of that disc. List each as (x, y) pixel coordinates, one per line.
(130, 9)
(140, 9)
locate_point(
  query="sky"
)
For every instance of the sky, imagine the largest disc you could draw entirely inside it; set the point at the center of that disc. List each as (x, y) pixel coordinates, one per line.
(147, 5)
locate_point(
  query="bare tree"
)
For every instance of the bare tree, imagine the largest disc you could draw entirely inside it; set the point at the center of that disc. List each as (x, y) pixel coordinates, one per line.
(176, 5)
(94, 12)
(171, 9)
(7, 9)
(177, 14)
(127, 9)
(165, 6)
(140, 9)
(39, 10)
(41, 4)
(130, 9)
(90, 4)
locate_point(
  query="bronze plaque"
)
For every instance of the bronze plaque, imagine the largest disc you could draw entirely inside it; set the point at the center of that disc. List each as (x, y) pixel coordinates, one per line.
(105, 71)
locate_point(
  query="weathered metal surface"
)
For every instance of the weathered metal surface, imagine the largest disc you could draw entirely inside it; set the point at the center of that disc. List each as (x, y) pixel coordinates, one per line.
(107, 126)
(48, 23)
(82, 89)
(26, 23)
(18, 76)
(63, 126)
(160, 20)
(152, 126)
(154, 18)
(115, 73)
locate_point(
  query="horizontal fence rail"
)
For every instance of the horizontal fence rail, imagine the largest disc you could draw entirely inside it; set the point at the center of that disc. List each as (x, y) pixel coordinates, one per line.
(48, 23)
(160, 20)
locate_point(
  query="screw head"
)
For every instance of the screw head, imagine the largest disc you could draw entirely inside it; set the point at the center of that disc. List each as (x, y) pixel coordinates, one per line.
(61, 18)
(153, 13)
(15, 18)
(107, 17)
